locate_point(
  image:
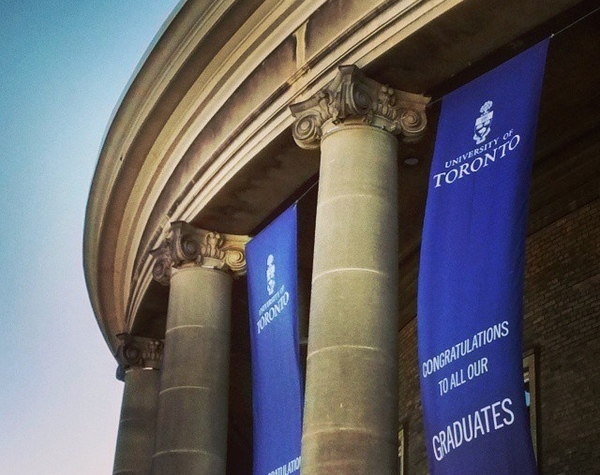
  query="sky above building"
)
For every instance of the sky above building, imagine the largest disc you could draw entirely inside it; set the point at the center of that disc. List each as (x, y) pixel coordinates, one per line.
(64, 66)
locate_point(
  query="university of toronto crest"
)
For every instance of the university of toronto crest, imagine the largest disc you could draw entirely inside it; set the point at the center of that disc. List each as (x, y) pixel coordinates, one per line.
(483, 123)
(270, 274)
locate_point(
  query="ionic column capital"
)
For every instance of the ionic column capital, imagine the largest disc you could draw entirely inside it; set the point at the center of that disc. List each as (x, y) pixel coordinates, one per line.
(352, 97)
(187, 245)
(138, 352)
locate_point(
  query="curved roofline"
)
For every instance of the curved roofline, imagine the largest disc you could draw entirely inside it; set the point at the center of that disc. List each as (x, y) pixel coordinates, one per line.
(140, 64)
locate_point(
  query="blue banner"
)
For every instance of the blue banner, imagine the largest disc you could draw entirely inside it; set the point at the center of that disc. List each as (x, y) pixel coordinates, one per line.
(277, 394)
(471, 274)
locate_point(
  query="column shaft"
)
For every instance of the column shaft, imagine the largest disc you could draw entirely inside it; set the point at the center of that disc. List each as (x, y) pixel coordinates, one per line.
(192, 417)
(137, 425)
(350, 418)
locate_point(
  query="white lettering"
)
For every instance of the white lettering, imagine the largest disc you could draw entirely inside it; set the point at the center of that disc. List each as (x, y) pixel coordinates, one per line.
(291, 467)
(463, 348)
(437, 178)
(474, 160)
(273, 312)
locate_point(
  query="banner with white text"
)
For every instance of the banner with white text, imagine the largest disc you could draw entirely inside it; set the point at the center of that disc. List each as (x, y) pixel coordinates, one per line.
(277, 395)
(471, 274)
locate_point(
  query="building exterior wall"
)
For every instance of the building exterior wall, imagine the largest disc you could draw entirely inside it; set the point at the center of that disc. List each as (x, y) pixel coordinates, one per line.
(411, 409)
(202, 139)
(561, 322)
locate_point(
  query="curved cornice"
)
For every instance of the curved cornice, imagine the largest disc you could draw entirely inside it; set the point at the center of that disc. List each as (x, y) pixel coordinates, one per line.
(171, 48)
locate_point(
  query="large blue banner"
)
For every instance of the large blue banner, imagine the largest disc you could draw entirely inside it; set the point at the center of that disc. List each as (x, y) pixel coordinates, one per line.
(276, 375)
(471, 274)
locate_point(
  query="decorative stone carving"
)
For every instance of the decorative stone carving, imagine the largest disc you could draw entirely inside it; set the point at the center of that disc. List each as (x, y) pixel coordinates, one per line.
(188, 245)
(353, 98)
(137, 351)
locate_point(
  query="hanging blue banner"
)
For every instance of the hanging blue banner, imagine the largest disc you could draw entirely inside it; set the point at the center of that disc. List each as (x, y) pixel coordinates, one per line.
(471, 274)
(277, 395)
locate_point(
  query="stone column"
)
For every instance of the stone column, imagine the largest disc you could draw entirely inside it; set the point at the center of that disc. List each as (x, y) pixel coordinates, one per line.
(192, 418)
(351, 399)
(139, 360)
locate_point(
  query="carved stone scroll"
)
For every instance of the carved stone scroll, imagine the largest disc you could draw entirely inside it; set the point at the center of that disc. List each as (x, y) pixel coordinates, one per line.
(136, 351)
(188, 245)
(352, 97)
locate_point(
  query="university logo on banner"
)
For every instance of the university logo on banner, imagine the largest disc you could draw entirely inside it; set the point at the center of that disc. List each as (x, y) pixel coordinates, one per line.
(471, 274)
(277, 395)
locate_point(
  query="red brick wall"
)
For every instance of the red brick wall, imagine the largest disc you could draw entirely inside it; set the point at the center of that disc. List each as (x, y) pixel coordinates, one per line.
(411, 411)
(562, 321)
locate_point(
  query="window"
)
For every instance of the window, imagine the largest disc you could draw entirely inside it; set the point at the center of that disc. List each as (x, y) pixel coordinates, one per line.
(401, 450)
(529, 379)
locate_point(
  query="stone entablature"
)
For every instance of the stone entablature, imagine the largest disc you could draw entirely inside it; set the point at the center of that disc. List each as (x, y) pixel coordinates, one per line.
(353, 97)
(187, 245)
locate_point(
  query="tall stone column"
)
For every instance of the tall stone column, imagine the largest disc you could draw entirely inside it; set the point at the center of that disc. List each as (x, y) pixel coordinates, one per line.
(192, 417)
(139, 360)
(351, 399)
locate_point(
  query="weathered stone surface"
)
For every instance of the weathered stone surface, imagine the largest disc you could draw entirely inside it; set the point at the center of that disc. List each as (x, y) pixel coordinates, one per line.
(351, 384)
(192, 417)
(137, 425)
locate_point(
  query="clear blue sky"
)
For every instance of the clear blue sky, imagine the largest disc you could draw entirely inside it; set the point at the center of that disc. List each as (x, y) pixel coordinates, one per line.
(64, 65)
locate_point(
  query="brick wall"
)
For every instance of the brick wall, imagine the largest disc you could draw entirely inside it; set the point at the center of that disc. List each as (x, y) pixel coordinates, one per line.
(562, 322)
(411, 411)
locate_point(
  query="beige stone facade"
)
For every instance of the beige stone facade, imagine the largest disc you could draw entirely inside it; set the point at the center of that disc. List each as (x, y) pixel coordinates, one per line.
(239, 109)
